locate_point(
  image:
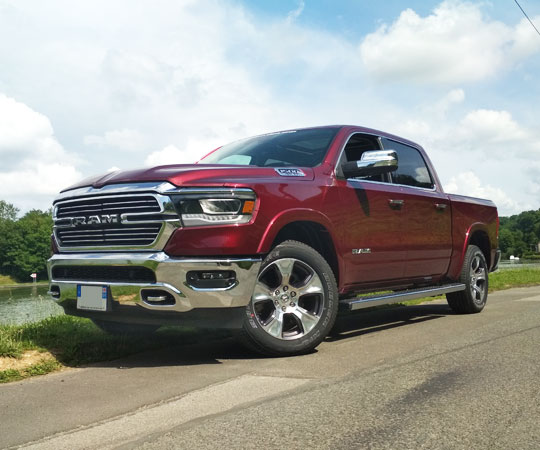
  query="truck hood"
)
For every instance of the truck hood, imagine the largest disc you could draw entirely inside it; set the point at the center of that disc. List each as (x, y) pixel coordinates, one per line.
(198, 175)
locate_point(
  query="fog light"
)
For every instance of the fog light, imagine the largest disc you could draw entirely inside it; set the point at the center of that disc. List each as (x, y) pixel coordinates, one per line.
(211, 279)
(157, 297)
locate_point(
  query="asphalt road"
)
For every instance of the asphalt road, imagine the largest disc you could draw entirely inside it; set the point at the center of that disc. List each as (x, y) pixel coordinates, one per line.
(403, 378)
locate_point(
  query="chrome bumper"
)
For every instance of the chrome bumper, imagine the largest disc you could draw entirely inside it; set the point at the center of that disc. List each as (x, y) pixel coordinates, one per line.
(171, 277)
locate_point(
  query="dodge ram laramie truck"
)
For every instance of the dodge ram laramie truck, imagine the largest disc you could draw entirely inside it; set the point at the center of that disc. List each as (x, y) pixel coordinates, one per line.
(270, 235)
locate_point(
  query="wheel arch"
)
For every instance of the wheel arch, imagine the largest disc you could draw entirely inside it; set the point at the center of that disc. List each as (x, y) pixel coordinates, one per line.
(480, 238)
(306, 226)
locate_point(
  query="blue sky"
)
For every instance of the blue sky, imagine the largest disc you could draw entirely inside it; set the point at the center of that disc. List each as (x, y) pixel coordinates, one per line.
(87, 87)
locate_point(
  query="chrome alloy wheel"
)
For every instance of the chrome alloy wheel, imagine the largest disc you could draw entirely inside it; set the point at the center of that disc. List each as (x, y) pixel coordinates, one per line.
(288, 299)
(478, 270)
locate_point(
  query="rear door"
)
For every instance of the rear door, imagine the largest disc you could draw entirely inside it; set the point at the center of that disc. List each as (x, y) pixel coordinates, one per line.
(426, 215)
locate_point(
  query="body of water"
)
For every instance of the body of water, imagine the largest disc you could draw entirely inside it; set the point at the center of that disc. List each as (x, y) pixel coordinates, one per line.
(25, 304)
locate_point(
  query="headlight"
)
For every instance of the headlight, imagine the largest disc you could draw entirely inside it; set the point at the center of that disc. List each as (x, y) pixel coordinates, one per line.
(215, 207)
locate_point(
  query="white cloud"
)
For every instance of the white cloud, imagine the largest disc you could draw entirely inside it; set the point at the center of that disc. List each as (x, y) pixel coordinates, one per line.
(495, 126)
(454, 44)
(526, 40)
(169, 155)
(467, 183)
(23, 132)
(34, 164)
(194, 150)
(124, 139)
(496, 134)
(295, 13)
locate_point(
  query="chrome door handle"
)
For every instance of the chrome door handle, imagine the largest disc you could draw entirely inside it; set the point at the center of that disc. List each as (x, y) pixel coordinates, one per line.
(440, 206)
(396, 204)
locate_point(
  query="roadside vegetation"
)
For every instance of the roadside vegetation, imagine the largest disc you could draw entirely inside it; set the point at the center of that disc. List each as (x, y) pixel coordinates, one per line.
(24, 244)
(520, 235)
(66, 341)
(6, 280)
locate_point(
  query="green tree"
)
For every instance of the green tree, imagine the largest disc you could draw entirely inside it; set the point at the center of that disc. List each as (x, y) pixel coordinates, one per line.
(506, 242)
(519, 234)
(29, 246)
(7, 211)
(8, 215)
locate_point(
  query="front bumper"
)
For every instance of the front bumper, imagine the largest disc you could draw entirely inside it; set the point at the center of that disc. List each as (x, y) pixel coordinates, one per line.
(170, 276)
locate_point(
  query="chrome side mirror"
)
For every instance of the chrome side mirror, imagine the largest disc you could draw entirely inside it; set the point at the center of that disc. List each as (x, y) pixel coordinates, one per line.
(372, 163)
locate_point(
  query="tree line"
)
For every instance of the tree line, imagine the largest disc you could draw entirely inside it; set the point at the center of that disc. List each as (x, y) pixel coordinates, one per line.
(25, 242)
(519, 235)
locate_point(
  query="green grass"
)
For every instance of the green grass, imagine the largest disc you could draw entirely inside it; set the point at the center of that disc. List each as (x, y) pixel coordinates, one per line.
(75, 341)
(6, 280)
(511, 278)
(498, 281)
(10, 344)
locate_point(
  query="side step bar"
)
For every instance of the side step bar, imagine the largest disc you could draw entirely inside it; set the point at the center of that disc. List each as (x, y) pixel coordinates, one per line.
(351, 304)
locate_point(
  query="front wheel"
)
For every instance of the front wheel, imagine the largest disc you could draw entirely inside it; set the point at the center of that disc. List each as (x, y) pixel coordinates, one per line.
(474, 275)
(294, 304)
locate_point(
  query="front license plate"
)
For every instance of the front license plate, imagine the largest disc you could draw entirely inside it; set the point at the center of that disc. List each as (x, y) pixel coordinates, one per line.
(93, 298)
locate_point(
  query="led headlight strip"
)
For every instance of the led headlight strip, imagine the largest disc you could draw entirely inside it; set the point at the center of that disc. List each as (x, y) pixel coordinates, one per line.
(214, 206)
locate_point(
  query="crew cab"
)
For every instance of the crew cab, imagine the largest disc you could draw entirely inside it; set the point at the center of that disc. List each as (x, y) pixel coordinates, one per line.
(270, 235)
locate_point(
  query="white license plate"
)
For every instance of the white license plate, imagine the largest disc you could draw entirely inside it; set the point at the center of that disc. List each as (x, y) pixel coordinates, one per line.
(93, 298)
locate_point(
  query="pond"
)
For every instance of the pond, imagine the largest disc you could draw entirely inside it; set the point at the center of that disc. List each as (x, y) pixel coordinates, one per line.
(23, 304)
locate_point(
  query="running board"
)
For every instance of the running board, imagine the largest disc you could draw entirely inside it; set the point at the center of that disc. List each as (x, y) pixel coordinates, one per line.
(351, 304)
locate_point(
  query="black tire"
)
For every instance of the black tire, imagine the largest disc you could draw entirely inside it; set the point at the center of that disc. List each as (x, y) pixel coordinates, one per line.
(294, 304)
(119, 328)
(474, 274)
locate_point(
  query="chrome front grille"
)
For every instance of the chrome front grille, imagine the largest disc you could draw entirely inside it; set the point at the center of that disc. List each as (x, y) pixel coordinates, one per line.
(109, 235)
(137, 221)
(108, 205)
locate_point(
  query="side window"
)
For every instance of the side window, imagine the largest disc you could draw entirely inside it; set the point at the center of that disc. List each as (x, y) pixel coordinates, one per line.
(355, 147)
(412, 169)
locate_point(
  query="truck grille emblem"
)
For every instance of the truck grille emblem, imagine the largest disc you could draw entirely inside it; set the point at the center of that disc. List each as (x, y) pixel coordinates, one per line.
(94, 220)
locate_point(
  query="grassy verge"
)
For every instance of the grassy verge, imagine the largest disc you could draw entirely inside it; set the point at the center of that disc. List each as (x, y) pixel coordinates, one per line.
(511, 278)
(498, 281)
(6, 280)
(72, 341)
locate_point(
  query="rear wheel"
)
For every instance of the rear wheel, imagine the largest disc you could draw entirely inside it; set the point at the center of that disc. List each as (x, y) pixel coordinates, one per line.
(474, 275)
(119, 328)
(294, 304)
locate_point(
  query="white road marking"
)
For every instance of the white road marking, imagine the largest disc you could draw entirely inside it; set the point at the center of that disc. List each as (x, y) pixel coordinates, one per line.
(165, 416)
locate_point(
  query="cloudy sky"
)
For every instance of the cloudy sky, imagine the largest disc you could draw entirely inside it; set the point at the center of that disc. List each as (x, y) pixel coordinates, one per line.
(90, 86)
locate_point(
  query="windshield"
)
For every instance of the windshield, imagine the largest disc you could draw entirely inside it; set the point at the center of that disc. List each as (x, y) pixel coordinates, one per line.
(304, 148)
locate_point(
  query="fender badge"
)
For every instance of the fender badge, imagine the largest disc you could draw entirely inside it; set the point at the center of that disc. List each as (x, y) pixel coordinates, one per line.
(360, 251)
(290, 172)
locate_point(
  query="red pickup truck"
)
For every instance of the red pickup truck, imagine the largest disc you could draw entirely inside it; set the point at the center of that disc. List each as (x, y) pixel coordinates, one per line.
(271, 235)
